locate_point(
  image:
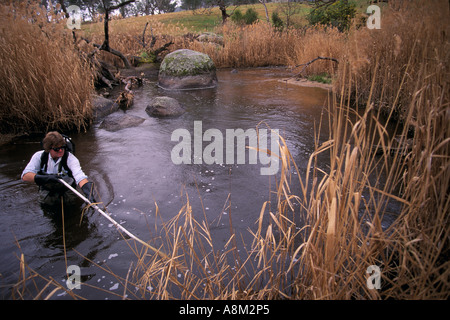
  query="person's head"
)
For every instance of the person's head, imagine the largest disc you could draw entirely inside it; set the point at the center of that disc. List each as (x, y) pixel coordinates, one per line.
(55, 144)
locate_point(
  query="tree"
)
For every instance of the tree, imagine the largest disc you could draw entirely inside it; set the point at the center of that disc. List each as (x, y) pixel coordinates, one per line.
(289, 9)
(166, 6)
(263, 2)
(192, 4)
(137, 7)
(108, 8)
(150, 7)
(223, 5)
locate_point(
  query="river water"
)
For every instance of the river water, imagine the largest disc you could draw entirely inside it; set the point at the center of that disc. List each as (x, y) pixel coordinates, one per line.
(133, 170)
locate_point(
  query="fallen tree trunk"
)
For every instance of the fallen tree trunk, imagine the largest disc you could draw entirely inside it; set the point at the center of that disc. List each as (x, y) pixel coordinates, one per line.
(103, 74)
(114, 52)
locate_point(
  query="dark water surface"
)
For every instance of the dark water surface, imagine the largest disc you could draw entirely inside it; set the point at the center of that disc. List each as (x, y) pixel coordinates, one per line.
(132, 168)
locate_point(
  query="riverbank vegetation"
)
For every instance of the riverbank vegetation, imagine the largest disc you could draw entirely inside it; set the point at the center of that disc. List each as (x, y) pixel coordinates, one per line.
(399, 73)
(45, 82)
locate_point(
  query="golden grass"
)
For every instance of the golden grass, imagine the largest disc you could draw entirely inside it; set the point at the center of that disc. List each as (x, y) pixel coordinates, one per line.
(44, 82)
(244, 46)
(413, 39)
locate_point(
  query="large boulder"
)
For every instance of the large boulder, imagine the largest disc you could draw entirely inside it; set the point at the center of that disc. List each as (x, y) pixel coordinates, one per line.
(164, 107)
(187, 69)
(119, 120)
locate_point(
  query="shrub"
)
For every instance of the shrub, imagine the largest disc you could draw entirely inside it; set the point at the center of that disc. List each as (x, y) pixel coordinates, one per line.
(250, 16)
(237, 16)
(276, 21)
(338, 14)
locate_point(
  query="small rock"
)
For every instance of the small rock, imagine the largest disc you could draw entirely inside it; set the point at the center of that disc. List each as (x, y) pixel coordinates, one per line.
(164, 107)
(102, 107)
(119, 120)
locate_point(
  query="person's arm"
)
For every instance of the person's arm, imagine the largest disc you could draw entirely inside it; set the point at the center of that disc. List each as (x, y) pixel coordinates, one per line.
(80, 177)
(29, 177)
(83, 182)
(74, 164)
(32, 168)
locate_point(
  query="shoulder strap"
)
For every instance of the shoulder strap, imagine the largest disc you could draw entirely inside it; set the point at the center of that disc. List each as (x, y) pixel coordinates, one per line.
(63, 164)
(44, 160)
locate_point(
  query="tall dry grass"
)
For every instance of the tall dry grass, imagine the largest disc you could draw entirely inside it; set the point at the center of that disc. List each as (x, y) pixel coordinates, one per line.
(248, 46)
(253, 45)
(260, 45)
(414, 36)
(44, 82)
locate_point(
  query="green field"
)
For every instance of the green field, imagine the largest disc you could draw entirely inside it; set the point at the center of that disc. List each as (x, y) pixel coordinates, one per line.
(209, 19)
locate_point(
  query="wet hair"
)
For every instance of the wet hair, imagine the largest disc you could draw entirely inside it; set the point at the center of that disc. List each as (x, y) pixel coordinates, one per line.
(53, 139)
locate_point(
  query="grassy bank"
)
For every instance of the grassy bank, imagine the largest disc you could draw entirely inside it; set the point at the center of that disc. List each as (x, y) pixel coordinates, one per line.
(200, 20)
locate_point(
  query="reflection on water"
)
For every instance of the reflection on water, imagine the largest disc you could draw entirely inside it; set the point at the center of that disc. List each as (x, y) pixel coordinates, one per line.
(133, 171)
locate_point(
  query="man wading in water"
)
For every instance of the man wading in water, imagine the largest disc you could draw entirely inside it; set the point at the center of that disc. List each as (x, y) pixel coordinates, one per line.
(55, 162)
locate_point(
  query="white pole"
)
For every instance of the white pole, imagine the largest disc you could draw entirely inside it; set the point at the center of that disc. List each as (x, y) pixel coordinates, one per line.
(118, 226)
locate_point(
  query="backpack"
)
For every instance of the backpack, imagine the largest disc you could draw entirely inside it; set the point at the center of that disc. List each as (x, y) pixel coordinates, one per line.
(70, 147)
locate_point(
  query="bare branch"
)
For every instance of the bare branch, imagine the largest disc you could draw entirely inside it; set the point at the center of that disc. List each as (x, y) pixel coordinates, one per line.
(143, 35)
(305, 65)
(120, 5)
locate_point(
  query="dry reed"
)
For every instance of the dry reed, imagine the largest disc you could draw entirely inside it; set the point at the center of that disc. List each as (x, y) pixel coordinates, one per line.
(324, 249)
(413, 35)
(44, 83)
(254, 45)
